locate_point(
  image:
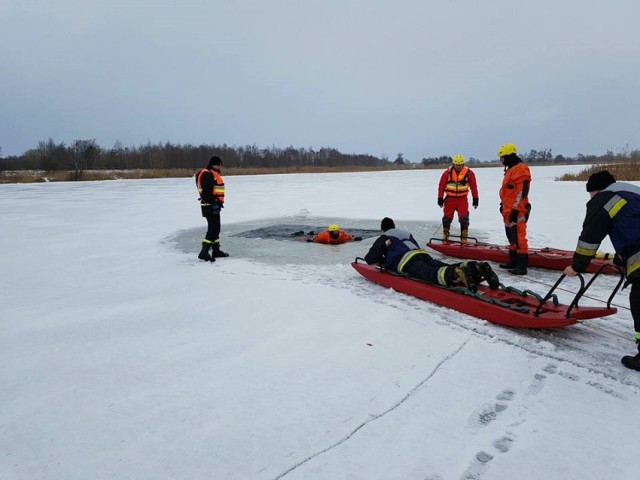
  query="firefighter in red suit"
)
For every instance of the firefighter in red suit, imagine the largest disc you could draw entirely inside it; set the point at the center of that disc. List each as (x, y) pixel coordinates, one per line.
(453, 191)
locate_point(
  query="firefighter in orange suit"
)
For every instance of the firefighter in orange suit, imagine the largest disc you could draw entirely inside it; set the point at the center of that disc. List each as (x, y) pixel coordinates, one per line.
(211, 189)
(453, 191)
(515, 207)
(333, 236)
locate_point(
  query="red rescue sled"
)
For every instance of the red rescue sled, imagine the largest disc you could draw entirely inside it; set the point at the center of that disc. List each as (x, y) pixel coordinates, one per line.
(550, 258)
(504, 306)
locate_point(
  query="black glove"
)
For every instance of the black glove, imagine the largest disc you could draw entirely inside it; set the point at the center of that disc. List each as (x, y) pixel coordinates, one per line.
(357, 239)
(513, 216)
(440, 201)
(500, 207)
(475, 202)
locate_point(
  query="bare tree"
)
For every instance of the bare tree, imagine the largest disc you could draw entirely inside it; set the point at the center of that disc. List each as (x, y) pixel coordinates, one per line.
(83, 155)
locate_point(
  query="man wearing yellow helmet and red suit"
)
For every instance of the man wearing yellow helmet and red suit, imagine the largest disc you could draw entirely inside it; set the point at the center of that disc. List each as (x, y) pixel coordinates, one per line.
(455, 182)
(515, 207)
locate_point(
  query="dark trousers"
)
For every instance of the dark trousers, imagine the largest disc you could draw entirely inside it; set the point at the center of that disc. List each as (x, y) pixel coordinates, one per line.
(424, 267)
(634, 302)
(213, 225)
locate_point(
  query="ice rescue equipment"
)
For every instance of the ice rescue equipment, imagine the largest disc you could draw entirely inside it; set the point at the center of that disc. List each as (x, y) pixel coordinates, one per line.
(549, 258)
(504, 306)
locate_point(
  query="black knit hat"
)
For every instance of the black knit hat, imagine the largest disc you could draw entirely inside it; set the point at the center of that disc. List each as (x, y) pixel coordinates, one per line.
(215, 161)
(600, 181)
(387, 224)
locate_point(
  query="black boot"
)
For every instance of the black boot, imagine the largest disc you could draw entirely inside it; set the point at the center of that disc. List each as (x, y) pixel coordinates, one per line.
(522, 262)
(512, 260)
(217, 252)
(487, 273)
(204, 253)
(632, 362)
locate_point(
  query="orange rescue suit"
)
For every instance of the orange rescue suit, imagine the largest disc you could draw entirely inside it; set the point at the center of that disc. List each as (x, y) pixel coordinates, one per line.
(324, 237)
(514, 197)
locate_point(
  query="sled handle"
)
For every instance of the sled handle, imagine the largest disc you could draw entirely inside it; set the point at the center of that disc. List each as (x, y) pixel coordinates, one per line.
(548, 295)
(584, 288)
(442, 240)
(595, 275)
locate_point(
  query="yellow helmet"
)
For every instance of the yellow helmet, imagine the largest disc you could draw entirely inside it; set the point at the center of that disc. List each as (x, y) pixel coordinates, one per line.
(333, 228)
(458, 159)
(507, 149)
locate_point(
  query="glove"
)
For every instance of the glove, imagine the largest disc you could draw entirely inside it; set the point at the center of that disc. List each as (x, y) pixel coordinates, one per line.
(440, 201)
(500, 207)
(357, 239)
(475, 202)
(513, 216)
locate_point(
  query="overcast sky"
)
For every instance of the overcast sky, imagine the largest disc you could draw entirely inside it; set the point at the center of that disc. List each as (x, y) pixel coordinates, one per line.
(425, 78)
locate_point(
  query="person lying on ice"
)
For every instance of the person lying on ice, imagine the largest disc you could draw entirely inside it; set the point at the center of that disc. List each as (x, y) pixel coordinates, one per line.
(333, 236)
(398, 251)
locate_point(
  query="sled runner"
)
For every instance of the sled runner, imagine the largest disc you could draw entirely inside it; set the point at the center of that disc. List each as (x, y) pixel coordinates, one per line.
(504, 306)
(549, 258)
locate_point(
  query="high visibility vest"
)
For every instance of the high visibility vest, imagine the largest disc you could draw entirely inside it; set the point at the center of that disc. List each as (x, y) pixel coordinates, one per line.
(457, 185)
(209, 196)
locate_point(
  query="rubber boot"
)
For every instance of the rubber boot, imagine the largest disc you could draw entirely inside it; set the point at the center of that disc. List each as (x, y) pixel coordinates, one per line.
(632, 362)
(464, 234)
(217, 252)
(204, 253)
(512, 260)
(445, 233)
(522, 262)
(489, 275)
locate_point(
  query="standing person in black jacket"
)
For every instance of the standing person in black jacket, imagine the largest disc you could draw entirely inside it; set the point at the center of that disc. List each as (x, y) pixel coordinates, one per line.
(398, 251)
(211, 189)
(614, 210)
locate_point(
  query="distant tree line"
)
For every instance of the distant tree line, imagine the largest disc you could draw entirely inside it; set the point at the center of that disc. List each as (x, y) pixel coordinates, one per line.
(81, 155)
(545, 156)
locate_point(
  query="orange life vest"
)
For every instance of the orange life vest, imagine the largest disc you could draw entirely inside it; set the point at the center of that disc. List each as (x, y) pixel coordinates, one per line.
(216, 194)
(457, 185)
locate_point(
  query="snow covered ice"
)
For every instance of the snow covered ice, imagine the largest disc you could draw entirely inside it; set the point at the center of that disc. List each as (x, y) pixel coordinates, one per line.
(124, 356)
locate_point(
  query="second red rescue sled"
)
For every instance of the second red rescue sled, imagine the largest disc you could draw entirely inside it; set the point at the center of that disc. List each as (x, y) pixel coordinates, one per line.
(549, 258)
